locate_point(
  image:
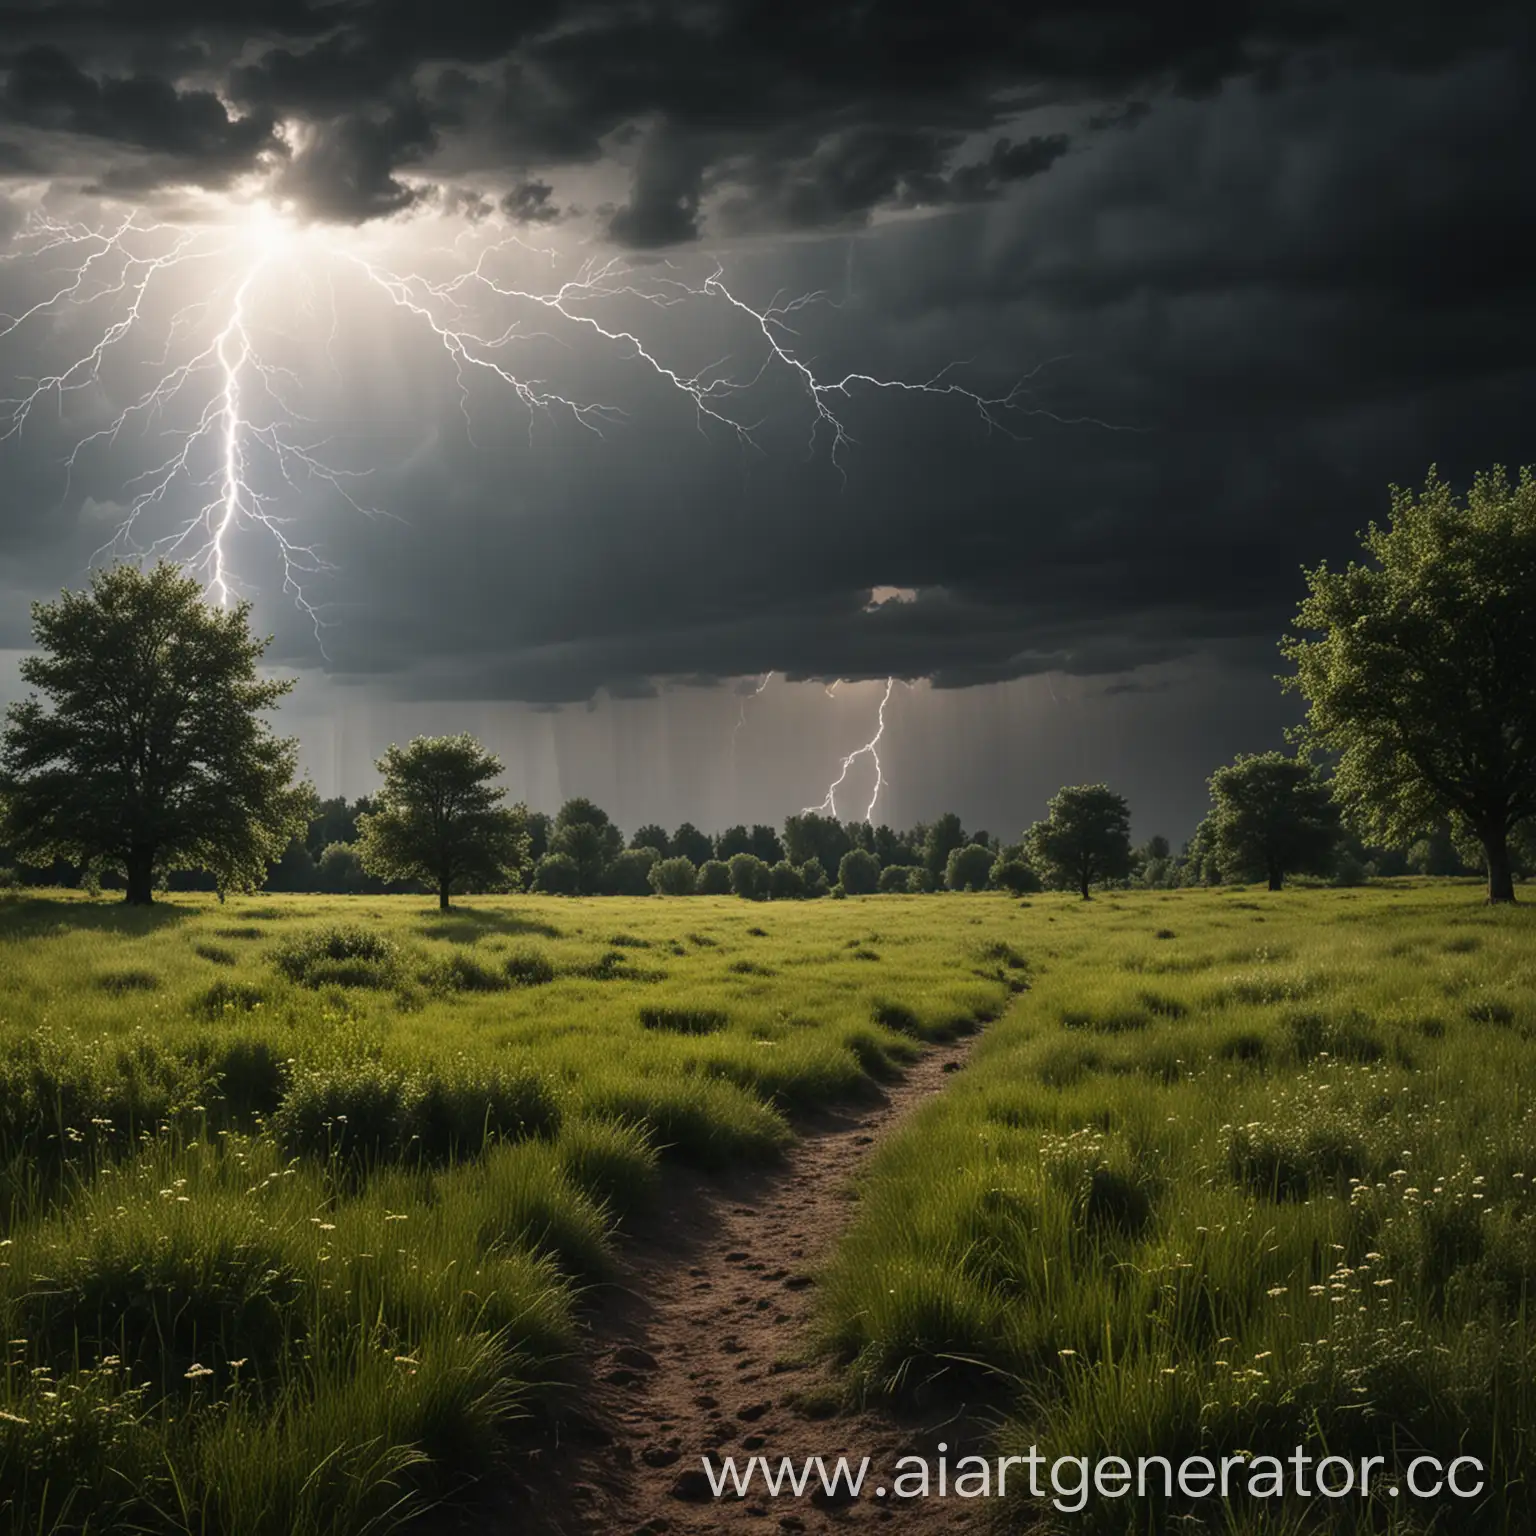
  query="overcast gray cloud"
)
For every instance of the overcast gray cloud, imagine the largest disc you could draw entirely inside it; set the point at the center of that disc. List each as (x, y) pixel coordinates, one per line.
(1256, 263)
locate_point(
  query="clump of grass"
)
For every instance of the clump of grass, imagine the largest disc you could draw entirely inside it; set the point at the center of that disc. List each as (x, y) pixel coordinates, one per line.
(1118, 1019)
(1346, 1034)
(684, 1021)
(228, 997)
(215, 954)
(629, 941)
(129, 979)
(529, 968)
(369, 1111)
(461, 972)
(613, 1163)
(343, 955)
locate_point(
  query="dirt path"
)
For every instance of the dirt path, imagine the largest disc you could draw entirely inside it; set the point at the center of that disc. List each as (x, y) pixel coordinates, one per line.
(703, 1354)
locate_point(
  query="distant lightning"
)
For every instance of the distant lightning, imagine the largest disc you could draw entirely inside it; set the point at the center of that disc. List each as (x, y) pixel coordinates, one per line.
(871, 750)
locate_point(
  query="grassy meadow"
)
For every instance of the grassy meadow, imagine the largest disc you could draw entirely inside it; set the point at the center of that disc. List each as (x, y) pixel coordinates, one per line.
(302, 1199)
(1242, 1171)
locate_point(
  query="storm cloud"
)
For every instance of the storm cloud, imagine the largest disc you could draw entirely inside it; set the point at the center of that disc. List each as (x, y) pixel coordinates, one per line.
(1253, 263)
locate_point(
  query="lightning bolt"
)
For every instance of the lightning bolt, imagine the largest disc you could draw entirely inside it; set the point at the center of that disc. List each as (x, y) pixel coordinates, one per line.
(243, 449)
(871, 750)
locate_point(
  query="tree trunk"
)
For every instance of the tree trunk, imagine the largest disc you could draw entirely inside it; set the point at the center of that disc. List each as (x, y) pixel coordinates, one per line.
(1501, 878)
(442, 892)
(1086, 876)
(141, 878)
(1276, 878)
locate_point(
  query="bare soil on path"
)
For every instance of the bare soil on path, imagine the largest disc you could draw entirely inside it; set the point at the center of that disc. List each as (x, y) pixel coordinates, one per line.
(704, 1351)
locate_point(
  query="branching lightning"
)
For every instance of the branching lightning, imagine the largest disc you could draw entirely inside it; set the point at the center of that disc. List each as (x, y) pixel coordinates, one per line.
(241, 450)
(871, 750)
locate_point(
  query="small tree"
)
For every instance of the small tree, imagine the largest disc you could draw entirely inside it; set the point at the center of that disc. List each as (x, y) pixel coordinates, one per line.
(1015, 876)
(714, 878)
(732, 841)
(785, 882)
(896, 879)
(1273, 816)
(939, 841)
(749, 876)
(689, 843)
(858, 872)
(583, 831)
(652, 836)
(1085, 838)
(630, 873)
(1420, 675)
(556, 875)
(151, 754)
(969, 868)
(813, 877)
(675, 877)
(439, 818)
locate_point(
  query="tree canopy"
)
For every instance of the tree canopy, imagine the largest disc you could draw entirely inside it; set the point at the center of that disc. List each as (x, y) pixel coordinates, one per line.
(1273, 816)
(440, 818)
(150, 753)
(1086, 837)
(1418, 673)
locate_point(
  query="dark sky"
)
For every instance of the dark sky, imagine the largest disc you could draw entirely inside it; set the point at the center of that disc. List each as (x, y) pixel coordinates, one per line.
(1255, 262)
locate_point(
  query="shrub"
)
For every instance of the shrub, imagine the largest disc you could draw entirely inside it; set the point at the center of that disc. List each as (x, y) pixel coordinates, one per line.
(785, 882)
(749, 876)
(556, 874)
(859, 872)
(969, 868)
(1016, 876)
(896, 879)
(714, 878)
(345, 955)
(677, 877)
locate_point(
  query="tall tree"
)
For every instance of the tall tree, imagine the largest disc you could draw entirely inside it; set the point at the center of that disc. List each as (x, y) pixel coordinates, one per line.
(440, 818)
(652, 836)
(1419, 677)
(1086, 837)
(151, 753)
(1273, 816)
(939, 841)
(689, 843)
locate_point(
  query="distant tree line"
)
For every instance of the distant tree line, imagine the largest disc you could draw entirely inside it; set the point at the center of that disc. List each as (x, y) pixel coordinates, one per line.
(150, 764)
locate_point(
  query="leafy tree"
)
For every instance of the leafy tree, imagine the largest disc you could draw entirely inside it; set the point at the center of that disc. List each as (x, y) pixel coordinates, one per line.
(439, 818)
(1273, 816)
(749, 876)
(1420, 678)
(295, 871)
(813, 876)
(814, 836)
(1086, 837)
(941, 840)
(1198, 864)
(151, 754)
(1436, 854)
(675, 877)
(1014, 875)
(714, 878)
(630, 872)
(858, 872)
(785, 882)
(583, 830)
(732, 841)
(556, 875)
(539, 828)
(765, 844)
(896, 879)
(652, 836)
(689, 843)
(340, 870)
(891, 849)
(589, 847)
(969, 868)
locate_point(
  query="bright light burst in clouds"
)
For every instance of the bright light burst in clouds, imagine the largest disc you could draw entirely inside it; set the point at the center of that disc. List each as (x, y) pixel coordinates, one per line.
(201, 340)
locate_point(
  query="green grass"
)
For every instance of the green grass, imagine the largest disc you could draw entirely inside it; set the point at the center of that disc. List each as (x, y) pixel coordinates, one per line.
(301, 1199)
(1241, 1171)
